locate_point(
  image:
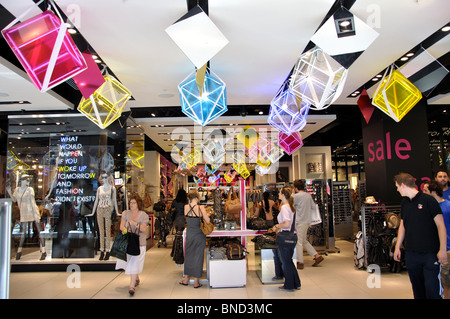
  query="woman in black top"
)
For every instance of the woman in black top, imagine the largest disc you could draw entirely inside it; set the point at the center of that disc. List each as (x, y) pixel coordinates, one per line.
(195, 240)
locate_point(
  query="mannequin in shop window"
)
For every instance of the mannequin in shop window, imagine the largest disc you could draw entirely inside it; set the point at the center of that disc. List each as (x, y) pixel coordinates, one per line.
(104, 205)
(29, 213)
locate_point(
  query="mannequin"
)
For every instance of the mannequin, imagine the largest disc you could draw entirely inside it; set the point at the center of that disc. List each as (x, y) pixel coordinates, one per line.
(104, 205)
(29, 213)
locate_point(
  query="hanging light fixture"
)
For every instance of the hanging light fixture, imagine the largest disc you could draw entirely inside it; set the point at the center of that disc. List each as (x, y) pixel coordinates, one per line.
(395, 95)
(203, 96)
(105, 105)
(45, 49)
(136, 155)
(205, 103)
(344, 23)
(248, 136)
(317, 78)
(290, 143)
(288, 111)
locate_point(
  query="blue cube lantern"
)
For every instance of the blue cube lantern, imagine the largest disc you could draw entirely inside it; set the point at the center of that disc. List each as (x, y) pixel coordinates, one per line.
(203, 107)
(288, 111)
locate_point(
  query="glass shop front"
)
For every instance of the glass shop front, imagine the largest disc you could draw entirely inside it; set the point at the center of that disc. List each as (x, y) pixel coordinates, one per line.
(55, 165)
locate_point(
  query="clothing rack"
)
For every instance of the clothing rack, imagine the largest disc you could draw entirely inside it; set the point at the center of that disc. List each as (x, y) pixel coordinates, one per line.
(379, 237)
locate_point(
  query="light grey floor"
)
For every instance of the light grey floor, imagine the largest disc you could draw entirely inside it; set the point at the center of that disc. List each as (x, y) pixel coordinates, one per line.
(336, 277)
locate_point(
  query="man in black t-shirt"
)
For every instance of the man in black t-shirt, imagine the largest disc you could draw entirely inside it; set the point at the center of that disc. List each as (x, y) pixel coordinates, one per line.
(422, 231)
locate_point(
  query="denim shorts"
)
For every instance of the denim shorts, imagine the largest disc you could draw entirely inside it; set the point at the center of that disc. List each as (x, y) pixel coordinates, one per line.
(445, 272)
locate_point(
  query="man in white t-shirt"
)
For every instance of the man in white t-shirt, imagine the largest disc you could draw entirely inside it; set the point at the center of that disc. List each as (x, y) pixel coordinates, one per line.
(442, 178)
(304, 206)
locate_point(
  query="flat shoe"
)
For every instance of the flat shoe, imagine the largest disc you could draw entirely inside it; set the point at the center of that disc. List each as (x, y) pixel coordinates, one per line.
(317, 261)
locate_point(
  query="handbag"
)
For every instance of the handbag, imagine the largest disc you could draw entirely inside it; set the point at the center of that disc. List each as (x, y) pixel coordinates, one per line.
(232, 204)
(316, 218)
(133, 248)
(119, 247)
(205, 227)
(287, 239)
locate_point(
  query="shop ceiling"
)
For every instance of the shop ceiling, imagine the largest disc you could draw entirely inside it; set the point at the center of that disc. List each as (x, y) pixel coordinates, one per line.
(265, 40)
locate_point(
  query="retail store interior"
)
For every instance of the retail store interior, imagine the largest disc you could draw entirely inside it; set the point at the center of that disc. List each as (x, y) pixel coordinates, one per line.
(234, 99)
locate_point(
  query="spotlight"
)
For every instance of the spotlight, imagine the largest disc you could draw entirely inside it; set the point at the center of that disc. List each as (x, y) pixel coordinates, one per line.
(344, 23)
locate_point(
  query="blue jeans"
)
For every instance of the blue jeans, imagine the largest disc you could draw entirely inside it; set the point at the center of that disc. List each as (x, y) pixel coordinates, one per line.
(291, 278)
(277, 263)
(423, 270)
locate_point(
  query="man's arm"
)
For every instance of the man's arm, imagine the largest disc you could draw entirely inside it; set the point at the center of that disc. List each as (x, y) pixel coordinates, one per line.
(400, 239)
(442, 232)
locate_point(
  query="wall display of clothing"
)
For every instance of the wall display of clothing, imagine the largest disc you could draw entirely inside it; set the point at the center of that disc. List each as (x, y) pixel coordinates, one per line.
(379, 226)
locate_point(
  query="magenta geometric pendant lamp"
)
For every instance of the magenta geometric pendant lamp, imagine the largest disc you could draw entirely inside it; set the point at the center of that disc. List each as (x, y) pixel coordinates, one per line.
(318, 78)
(45, 49)
(288, 112)
(290, 143)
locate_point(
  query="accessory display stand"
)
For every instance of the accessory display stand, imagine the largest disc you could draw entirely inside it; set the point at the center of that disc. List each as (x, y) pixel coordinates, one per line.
(379, 236)
(230, 273)
(342, 209)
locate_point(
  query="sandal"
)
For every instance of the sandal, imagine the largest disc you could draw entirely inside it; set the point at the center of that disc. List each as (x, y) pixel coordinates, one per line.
(184, 284)
(137, 282)
(199, 285)
(131, 291)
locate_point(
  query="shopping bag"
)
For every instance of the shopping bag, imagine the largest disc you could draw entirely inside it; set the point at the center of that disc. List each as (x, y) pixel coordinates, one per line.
(119, 247)
(316, 218)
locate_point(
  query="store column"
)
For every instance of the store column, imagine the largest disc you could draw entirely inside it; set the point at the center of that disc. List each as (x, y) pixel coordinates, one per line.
(391, 148)
(151, 172)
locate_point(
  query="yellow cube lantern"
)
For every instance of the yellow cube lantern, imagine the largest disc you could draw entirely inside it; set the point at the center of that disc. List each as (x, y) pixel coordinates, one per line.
(242, 169)
(193, 158)
(248, 136)
(136, 155)
(105, 105)
(396, 95)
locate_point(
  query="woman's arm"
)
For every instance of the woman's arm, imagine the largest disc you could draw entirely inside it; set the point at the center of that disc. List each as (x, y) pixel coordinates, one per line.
(205, 214)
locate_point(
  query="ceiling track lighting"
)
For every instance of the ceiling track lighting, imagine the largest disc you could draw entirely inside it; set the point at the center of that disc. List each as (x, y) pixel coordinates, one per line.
(428, 42)
(344, 23)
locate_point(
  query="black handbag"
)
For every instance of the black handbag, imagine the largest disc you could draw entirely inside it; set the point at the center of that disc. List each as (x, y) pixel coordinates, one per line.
(119, 247)
(133, 248)
(287, 239)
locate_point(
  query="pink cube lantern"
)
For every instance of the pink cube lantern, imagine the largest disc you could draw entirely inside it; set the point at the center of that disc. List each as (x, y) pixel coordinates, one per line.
(45, 49)
(290, 143)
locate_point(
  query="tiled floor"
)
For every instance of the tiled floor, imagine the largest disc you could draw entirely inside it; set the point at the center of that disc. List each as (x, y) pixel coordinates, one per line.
(336, 277)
